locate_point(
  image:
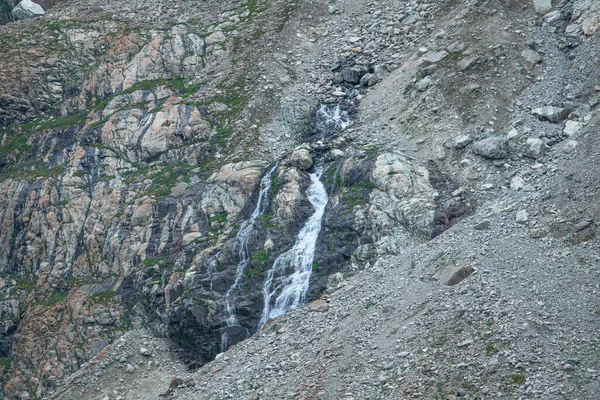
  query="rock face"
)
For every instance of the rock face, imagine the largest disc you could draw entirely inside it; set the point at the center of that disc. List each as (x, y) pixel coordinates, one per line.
(27, 9)
(155, 162)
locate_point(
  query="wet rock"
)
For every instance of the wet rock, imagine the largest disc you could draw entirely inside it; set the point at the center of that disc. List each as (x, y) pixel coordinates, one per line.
(301, 158)
(493, 147)
(353, 74)
(27, 9)
(453, 275)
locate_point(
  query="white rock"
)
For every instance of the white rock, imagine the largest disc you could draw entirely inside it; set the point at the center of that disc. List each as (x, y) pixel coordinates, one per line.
(542, 7)
(569, 146)
(572, 127)
(27, 9)
(513, 134)
(517, 183)
(336, 154)
(522, 217)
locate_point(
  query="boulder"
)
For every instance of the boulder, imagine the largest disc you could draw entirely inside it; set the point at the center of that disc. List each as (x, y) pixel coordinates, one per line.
(301, 159)
(433, 58)
(453, 275)
(27, 9)
(423, 84)
(353, 74)
(542, 7)
(531, 56)
(462, 141)
(215, 37)
(535, 148)
(493, 147)
(318, 306)
(551, 114)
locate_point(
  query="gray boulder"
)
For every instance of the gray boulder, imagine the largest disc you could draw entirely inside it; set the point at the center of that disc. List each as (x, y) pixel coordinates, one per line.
(301, 159)
(27, 9)
(462, 141)
(494, 147)
(542, 7)
(535, 148)
(531, 56)
(550, 113)
(353, 74)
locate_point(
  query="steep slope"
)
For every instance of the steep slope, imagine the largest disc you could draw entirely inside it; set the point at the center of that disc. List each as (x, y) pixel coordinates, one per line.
(134, 143)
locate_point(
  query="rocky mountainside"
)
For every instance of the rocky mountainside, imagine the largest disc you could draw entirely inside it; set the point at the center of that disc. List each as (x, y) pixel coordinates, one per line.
(175, 176)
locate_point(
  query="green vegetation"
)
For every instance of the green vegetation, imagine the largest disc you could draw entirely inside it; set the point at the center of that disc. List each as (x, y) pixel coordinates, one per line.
(5, 8)
(55, 298)
(103, 297)
(514, 379)
(61, 203)
(149, 262)
(5, 362)
(260, 256)
(490, 349)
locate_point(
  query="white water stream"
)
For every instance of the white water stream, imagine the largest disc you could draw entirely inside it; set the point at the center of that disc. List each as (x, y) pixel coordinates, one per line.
(243, 238)
(291, 271)
(331, 118)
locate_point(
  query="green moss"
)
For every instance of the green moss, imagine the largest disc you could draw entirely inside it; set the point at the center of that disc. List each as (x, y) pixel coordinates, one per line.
(514, 379)
(55, 298)
(490, 349)
(5, 8)
(372, 151)
(149, 262)
(5, 362)
(219, 218)
(61, 203)
(103, 297)
(260, 256)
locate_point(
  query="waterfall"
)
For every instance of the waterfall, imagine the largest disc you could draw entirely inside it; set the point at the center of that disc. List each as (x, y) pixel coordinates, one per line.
(298, 260)
(243, 238)
(331, 118)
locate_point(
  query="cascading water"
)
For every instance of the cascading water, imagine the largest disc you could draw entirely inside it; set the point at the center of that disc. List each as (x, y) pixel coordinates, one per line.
(331, 118)
(292, 288)
(243, 238)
